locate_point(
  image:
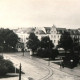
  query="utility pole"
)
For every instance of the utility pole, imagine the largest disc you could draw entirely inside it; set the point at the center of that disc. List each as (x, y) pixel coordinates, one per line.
(20, 72)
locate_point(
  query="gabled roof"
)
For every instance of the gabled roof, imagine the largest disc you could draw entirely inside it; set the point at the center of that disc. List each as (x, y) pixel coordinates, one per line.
(47, 29)
(40, 30)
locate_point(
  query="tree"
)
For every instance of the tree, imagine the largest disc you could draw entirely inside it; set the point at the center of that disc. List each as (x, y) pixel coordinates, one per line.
(70, 60)
(76, 45)
(66, 41)
(8, 39)
(6, 66)
(46, 42)
(46, 48)
(33, 42)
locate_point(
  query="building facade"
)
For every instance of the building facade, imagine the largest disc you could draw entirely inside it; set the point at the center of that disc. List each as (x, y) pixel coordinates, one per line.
(53, 32)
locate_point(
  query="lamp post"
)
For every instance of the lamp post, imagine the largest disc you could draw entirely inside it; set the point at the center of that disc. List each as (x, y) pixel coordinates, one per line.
(20, 72)
(71, 63)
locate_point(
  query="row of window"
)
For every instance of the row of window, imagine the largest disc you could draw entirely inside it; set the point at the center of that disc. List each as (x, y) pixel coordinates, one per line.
(55, 36)
(19, 46)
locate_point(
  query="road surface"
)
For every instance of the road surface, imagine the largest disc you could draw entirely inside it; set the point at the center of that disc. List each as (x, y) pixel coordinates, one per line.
(37, 69)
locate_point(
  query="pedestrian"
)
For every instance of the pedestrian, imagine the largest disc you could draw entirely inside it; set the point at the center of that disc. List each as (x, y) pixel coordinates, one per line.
(23, 51)
(60, 65)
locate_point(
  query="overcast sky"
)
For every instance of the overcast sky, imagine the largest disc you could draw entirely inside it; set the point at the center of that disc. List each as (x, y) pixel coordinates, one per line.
(39, 13)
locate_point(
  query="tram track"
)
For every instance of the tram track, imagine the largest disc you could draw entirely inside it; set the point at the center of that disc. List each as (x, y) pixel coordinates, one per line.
(45, 65)
(49, 70)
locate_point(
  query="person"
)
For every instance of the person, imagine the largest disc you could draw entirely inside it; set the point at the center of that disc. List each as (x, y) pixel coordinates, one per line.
(23, 51)
(60, 65)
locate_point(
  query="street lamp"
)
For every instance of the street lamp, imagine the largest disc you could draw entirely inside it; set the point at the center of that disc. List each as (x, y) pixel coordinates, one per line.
(71, 63)
(20, 72)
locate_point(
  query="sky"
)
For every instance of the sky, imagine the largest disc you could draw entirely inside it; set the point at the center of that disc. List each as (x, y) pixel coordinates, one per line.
(39, 13)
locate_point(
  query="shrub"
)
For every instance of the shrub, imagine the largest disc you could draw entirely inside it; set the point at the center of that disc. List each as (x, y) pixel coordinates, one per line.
(40, 52)
(9, 65)
(54, 53)
(3, 68)
(67, 60)
(6, 66)
(1, 57)
(46, 53)
(1, 48)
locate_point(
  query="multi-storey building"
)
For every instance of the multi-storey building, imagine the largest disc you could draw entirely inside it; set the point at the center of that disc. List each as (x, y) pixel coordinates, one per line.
(23, 34)
(53, 32)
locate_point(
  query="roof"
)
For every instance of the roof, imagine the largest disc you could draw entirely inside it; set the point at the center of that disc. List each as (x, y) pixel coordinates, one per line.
(73, 31)
(47, 29)
(60, 30)
(40, 30)
(25, 30)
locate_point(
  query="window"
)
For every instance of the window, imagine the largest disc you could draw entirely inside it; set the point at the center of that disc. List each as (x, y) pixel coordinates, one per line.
(54, 36)
(51, 36)
(58, 36)
(54, 41)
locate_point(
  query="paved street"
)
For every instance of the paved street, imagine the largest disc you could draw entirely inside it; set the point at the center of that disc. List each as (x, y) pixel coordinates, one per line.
(38, 69)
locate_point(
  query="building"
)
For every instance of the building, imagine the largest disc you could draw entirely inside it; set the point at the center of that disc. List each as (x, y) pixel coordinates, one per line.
(53, 32)
(23, 34)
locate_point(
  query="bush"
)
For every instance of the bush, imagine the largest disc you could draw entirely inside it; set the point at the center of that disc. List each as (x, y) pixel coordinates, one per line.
(54, 53)
(1, 48)
(6, 66)
(46, 53)
(1, 57)
(9, 65)
(41, 52)
(67, 60)
(3, 68)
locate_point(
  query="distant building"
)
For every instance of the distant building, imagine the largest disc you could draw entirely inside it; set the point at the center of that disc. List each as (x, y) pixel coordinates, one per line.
(53, 32)
(19, 46)
(75, 34)
(23, 34)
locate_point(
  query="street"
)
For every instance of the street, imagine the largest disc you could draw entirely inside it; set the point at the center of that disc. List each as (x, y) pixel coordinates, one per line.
(36, 68)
